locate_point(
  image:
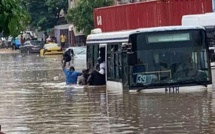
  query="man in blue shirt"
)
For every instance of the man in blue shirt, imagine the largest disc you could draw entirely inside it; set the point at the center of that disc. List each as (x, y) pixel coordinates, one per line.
(71, 75)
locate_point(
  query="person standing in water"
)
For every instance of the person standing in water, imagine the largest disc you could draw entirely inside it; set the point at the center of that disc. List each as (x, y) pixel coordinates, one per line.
(67, 56)
(82, 80)
(97, 76)
(71, 75)
(63, 41)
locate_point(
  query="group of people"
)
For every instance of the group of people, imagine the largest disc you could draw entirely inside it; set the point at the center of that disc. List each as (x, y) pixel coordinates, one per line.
(90, 76)
(63, 40)
(50, 39)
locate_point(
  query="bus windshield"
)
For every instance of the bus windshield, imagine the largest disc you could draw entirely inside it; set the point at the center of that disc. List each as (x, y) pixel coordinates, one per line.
(170, 57)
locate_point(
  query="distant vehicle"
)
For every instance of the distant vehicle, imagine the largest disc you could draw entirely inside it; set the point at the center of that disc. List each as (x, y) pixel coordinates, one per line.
(80, 56)
(16, 43)
(80, 52)
(31, 46)
(3, 42)
(31, 34)
(51, 49)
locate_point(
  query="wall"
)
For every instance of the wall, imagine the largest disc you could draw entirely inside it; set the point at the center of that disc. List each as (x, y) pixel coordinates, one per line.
(148, 14)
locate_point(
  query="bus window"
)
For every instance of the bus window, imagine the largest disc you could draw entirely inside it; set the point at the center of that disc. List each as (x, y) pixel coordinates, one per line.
(102, 53)
(92, 55)
(114, 62)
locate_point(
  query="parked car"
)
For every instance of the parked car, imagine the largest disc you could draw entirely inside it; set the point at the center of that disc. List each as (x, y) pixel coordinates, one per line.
(16, 43)
(31, 46)
(3, 42)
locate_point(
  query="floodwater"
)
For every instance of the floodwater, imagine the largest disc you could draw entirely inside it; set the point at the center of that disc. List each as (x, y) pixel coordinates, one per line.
(34, 100)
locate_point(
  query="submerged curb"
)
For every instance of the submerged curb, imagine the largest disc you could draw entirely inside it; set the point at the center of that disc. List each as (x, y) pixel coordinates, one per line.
(8, 51)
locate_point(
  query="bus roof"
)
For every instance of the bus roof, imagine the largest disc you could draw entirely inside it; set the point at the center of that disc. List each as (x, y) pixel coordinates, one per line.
(107, 37)
(166, 28)
(122, 36)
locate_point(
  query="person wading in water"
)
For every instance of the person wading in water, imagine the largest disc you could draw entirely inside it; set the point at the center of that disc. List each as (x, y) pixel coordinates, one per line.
(71, 75)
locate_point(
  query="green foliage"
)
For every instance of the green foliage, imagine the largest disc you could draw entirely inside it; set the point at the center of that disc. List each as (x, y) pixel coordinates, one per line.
(45, 13)
(82, 15)
(13, 17)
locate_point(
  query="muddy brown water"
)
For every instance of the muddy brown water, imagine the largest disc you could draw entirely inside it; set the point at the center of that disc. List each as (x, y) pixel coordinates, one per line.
(34, 100)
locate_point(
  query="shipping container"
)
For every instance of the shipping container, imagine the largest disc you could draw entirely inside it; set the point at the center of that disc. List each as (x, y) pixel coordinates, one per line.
(148, 14)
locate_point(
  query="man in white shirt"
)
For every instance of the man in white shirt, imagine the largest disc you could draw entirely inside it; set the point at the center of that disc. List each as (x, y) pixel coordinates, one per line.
(102, 68)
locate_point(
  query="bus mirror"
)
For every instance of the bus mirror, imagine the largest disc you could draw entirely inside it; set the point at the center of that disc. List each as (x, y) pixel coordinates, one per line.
(131, 58)
(126, 45)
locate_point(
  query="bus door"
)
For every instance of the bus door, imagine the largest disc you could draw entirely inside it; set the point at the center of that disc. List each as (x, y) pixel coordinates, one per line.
(92, 55)
(210, 31)
(103, 55)
(212, 53)
(124, 68)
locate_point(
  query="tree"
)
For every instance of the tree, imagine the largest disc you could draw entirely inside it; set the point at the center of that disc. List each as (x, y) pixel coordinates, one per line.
(82, 15)
(45, 13)
(13, 17)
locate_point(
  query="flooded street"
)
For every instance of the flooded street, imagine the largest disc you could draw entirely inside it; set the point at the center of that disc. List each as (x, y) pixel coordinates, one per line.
(34, 100)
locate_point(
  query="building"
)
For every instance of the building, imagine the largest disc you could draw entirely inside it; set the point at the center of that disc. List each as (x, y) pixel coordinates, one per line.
(75, 37)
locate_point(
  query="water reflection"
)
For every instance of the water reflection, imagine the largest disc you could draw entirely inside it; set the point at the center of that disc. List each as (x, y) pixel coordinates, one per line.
(33, 102)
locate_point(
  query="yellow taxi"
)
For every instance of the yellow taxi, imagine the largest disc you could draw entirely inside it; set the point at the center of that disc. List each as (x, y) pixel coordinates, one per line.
(51, 48)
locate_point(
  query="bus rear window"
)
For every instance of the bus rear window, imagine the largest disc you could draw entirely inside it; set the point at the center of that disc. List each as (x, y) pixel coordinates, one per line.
(168, 37)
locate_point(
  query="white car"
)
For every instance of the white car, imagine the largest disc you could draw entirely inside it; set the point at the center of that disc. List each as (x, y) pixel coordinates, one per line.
(80, 52)
(80, 57)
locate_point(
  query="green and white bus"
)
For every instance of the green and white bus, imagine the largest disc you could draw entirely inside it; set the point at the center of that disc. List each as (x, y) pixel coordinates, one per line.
(158, 59)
